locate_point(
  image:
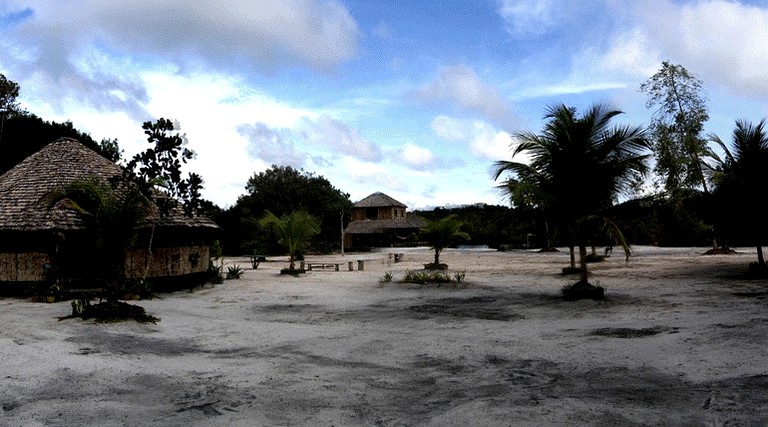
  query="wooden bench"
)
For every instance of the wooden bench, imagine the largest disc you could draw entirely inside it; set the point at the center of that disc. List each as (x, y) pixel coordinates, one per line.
(322, 265)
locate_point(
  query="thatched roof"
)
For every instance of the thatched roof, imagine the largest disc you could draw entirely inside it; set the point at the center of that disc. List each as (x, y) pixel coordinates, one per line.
(378, 200)
(377, 226)
(24, 188)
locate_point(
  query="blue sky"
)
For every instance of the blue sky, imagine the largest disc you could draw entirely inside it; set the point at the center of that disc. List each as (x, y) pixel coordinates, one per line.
(415, 99)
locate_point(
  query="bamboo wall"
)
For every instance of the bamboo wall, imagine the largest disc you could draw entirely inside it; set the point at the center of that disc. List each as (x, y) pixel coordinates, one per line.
(165, 262)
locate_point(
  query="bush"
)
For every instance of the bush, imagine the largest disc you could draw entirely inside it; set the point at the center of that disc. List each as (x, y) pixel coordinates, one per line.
(214, 273)
(583, 290)
(234, 272)
(424, 277)
(387, 277)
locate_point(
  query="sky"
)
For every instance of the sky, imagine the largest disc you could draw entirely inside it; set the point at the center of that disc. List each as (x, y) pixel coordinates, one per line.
(415, 99)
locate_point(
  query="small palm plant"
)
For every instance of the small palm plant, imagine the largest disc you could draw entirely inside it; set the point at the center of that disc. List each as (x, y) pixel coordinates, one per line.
(294, 231)
(441, 234)
(110, 217)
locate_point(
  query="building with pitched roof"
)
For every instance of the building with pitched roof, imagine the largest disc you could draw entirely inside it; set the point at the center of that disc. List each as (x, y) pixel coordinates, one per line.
(380, 221)
(35, 239)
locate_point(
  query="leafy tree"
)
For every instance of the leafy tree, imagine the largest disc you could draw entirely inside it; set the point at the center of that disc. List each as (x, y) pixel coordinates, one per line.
(111, 216)
(161, 167)
(294, 231)
(676, 126)
(282, 190)
(442, 233)
(9, 91)
(578, 166)
(739, 179)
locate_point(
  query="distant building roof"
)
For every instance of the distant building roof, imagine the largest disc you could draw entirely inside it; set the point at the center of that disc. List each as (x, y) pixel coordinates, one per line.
(377, 226)
(378, 200)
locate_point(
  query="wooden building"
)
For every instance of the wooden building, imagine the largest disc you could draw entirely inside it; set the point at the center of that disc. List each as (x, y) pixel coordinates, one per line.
(36, 240)
(381, 221)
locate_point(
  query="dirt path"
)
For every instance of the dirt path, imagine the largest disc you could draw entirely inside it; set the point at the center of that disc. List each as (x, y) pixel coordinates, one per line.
(680, 340)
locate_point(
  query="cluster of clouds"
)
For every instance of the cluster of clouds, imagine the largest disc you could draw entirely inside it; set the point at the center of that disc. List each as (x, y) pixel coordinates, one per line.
(110, 65)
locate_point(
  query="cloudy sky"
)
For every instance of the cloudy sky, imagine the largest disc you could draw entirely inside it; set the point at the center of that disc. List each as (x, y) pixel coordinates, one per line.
(415, 99)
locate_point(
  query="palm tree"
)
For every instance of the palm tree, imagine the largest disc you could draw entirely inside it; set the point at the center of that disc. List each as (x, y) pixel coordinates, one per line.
(739, 179)
(578, 167)
(294, 231)
(440, 234)
(111, 217)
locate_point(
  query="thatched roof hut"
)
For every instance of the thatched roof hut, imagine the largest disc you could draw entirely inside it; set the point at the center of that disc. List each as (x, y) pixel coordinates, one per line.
(379, 220)
(32, 235)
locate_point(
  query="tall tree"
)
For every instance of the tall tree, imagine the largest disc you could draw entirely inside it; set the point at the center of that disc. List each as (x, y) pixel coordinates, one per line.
(739, 180)
(676, 127)
(578, 166)
(282, 190)
(294, 231)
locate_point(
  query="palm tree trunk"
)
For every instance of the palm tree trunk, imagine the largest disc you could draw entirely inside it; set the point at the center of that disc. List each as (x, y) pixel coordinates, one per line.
(437, 257)
(760, 259)
(292, 259)
(583, 263)
(573, 256)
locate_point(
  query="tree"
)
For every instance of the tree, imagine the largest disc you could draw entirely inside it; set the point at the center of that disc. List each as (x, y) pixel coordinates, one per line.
(9, 91)
(294, 231)
(441, 234)
(110, 215)
(676, 127)
(578, 167)
(739, 178)
(160, 167)
(282, 190)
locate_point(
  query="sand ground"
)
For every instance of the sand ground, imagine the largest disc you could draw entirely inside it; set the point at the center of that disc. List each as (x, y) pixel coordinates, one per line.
(681, 340)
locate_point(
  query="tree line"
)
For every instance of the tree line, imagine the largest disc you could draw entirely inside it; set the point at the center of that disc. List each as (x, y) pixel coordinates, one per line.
(589, 182)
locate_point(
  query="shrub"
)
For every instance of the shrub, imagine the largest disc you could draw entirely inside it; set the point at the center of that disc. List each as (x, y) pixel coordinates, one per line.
(387, 277)
(424, 277)
(214, 273)
(234, 272)
(583, 290)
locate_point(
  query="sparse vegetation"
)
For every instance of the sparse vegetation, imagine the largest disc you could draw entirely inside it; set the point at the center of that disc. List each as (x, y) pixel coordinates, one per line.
(427, 277)
(234, 272)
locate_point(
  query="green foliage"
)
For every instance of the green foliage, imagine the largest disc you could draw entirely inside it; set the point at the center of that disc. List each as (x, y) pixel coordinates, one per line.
(9, 91)
(161, 167)
(282, 190)
(677, 125)
(425, 277)
(294, 231)
(443, 233)
(387, 277)
(234, 272)
(578, 166)
(111, 215)
(739, 179)
(214, 273)
(109, 312)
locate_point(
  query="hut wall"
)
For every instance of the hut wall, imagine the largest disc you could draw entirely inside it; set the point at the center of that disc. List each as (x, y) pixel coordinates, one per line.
(165, 262)
(23, 267)
(383, 212)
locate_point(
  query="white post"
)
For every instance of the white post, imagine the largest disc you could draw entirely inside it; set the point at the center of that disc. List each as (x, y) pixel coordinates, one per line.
(342, 233)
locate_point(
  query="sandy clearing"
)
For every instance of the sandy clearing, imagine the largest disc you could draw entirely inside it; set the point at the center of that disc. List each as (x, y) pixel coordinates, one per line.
(680, 340)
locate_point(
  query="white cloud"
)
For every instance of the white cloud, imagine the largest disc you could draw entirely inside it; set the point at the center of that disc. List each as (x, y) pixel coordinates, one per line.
(459, 84)
(484, 140)
(418, 158)
(93, 51)
(339, 137)
(527, 16)
(272, 146)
